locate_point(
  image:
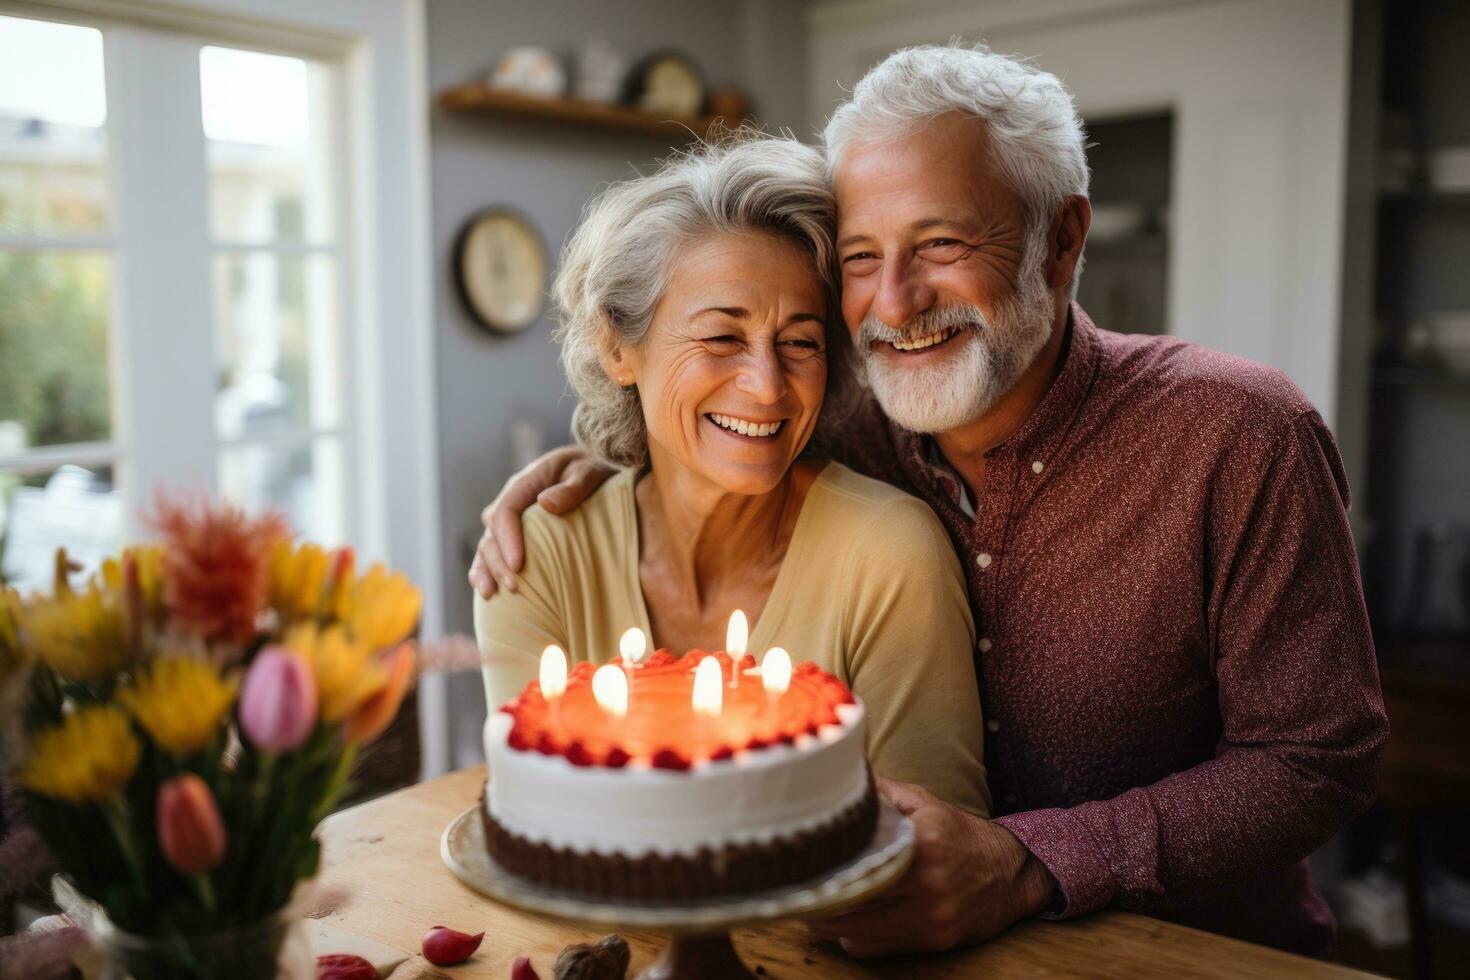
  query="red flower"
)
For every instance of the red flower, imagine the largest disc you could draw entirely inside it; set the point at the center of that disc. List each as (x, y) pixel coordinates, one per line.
(216, 567)
(190, 830)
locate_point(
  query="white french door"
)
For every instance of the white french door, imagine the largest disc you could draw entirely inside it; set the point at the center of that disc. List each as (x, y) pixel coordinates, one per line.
(173, 283)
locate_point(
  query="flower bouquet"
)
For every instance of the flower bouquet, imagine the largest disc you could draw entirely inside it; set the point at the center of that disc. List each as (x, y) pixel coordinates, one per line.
(179, 723)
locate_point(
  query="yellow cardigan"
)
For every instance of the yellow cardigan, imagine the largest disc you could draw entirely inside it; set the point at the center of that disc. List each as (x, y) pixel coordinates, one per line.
(870, 589)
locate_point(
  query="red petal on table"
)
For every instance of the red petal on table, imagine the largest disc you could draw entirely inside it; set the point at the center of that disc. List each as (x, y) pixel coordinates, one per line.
(344, 966)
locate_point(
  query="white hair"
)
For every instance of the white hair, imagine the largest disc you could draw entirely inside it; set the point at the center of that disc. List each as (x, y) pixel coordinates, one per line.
(616, 266)
(1036, 137)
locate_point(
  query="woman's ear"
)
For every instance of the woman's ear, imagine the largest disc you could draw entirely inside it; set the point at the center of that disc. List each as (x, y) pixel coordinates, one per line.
(618, 365)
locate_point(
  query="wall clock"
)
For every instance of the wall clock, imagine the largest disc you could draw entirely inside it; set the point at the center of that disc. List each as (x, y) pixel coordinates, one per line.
(500, 267)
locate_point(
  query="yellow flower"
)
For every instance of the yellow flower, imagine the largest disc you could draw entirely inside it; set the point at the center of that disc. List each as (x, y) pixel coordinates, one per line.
(86, 759)
(346, 672)
(179, 702)
(384, 608)
(297, 578)
(149, 559)
(11, 655)
(79, 635)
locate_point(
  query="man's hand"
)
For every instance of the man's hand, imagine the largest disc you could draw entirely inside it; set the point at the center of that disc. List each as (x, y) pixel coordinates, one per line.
(559, 482)
(970, 879)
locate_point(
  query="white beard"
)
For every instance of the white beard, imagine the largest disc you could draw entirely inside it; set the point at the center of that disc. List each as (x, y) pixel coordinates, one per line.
(970, 381)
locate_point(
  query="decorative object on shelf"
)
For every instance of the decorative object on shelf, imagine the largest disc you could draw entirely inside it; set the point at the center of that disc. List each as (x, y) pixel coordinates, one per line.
(1439, 593)
(181, 721)
(532, 70)
(729, 105)
(601, 69)
(1440, 338)
(1448, 170)
(1117, 221)
(500, 268)
(666, 83)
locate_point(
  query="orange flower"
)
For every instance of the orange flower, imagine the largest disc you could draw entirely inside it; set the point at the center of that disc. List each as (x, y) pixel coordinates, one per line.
(215, 567)
(374, 715)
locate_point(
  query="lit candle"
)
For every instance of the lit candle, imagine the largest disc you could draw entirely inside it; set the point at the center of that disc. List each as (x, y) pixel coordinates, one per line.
(776, 671)
(708, 698)
(633, 646)
(553, 672)
(737, 635)
(610, 688)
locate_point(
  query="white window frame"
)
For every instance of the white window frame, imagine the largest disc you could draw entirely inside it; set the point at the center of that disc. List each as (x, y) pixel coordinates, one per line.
(383, 231)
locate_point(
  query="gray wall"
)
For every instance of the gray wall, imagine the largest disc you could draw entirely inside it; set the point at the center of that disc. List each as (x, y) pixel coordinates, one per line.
(548, 172)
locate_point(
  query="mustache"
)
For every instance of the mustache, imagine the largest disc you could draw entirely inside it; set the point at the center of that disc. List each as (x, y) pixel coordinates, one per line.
(937, 318)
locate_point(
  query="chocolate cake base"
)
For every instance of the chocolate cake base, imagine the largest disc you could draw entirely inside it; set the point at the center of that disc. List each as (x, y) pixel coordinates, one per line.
(738, 869)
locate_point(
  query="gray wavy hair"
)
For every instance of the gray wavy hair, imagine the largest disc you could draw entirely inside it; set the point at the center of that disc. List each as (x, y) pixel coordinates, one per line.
(616, 266)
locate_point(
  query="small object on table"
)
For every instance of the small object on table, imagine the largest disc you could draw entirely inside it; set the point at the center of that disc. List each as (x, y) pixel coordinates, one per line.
(606, 959)
(522, 969)
(446, 947)
(532, 70)
(344, 966)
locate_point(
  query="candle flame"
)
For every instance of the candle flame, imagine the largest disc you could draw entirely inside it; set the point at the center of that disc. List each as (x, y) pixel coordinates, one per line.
(776, 670)
(708, 696)
(737, 635)
(553, 672)
(633, 645)
(610, 688)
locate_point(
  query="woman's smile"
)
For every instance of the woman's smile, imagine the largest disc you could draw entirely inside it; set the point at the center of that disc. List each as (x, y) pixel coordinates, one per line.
(745, 428)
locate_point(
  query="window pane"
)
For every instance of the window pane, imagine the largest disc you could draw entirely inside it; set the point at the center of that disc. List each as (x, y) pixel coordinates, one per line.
(53, 108)
(54, 367)
(69, 507)
(268, 126)
(276, 343)
(304, 482)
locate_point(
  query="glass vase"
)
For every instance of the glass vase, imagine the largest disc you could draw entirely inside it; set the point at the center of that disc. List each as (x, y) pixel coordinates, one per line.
(276, 947)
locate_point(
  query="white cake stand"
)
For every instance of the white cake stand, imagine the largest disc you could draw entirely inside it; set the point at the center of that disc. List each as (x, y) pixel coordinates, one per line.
(700, 929)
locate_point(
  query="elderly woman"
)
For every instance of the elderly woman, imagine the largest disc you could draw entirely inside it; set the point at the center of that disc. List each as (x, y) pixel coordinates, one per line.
(699, 328)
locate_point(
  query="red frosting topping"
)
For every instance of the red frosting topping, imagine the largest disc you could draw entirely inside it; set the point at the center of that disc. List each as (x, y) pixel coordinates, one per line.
(661, 727)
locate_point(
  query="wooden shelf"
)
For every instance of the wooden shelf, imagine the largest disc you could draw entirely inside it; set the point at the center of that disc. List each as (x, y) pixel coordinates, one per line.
(1415, 375)
(498, 103)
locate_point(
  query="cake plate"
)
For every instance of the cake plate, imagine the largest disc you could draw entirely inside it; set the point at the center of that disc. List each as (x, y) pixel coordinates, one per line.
(700, 929)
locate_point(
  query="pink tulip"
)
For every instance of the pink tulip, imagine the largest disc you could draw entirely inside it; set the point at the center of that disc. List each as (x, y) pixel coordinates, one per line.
(278, 703)
(190, 830)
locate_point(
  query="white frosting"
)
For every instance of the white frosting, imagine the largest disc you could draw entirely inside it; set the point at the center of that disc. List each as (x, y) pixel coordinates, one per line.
(777, 791)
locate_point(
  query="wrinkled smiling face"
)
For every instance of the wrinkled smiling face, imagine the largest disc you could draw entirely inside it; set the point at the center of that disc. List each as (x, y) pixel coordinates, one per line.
(733, 369)
(943, 289)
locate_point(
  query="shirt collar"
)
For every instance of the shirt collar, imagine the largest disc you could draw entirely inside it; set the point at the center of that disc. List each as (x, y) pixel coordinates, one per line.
(1044, 427)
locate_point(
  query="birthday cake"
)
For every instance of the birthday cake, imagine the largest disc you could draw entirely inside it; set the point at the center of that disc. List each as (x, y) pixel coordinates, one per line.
(659, 781)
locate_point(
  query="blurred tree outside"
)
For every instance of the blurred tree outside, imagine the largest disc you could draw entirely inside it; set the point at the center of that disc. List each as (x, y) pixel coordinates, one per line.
(54, 371)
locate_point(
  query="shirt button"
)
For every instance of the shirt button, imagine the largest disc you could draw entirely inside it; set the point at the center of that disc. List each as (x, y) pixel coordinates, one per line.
(983, 559)
(1037, 466)
(992, 725)
(985, 644)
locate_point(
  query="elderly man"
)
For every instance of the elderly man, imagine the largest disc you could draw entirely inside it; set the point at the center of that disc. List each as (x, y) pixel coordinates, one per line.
(1174, 655)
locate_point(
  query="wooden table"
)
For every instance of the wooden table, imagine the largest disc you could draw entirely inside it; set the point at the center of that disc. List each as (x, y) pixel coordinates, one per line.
(386, 853)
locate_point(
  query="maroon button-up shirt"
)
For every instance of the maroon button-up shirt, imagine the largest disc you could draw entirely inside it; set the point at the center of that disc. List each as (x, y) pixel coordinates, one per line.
(1179, 683)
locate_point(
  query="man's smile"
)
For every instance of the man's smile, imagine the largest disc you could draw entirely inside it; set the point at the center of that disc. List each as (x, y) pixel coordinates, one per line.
(912, 346)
